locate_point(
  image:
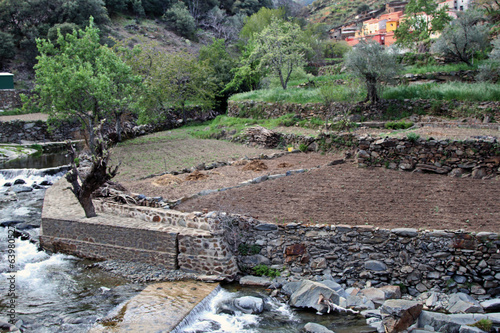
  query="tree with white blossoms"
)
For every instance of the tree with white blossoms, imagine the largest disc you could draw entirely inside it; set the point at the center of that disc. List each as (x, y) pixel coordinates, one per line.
(280, 49)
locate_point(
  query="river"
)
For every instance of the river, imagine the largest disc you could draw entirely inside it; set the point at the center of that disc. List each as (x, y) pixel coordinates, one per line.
(62, 293)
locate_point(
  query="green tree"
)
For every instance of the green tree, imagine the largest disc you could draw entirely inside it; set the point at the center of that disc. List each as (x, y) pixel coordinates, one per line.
(216, 57)
(79, 77)
(7, 45)
(28, 20)
(490, 69)
(170, 80)
(374, 64)
(279, 49)
(463, 37)
(180, 20)
(422, 19)
(249, 7)
(259, 21)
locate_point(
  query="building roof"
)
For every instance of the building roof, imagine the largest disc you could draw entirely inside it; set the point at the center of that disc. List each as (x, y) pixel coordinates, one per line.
(393, 16)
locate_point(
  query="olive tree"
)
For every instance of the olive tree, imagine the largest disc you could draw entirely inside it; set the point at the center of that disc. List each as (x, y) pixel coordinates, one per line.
(463, 37)
(374, 64)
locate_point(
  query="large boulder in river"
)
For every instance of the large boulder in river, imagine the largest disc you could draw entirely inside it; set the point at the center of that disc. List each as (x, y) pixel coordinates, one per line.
(315, 328)
(249, 304)
(245, 304)
(398, 315)
(314, 295)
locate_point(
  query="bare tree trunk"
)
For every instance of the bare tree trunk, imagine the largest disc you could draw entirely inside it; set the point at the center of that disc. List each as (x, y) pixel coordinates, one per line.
(371, 87)
(118, 125)
(99, 174)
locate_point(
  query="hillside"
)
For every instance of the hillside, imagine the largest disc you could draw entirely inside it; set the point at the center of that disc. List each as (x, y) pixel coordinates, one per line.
(337, 12)
(120, 28)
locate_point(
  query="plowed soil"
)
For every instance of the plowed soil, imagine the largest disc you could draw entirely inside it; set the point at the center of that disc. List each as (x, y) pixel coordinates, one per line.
(346, 194)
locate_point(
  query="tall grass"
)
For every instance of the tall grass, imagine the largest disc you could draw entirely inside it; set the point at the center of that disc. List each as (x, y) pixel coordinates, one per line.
(423, 69)
(273, 95)
(301, 95)
(460, 91)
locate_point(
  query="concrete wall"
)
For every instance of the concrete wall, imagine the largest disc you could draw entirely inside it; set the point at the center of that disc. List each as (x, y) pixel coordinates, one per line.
(175, 240)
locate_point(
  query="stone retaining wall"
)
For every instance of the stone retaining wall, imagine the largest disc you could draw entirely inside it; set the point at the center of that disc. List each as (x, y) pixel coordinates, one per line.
(480, 158)
(16, 131)
(9, 98)
(357, 255)
(254, 109)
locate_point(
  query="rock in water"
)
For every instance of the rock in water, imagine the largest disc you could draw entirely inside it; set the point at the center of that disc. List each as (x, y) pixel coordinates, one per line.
(315, 328)
(398, 315)
(249, 304)
(312, 295)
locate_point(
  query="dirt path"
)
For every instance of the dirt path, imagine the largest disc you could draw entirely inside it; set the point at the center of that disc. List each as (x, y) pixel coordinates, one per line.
(26, 117)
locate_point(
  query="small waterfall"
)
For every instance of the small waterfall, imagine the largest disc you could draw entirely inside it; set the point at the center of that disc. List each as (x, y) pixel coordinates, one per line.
(204, 305)
(31, 176)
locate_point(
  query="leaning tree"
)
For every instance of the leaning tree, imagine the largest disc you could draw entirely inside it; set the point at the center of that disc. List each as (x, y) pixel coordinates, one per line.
(77, 77)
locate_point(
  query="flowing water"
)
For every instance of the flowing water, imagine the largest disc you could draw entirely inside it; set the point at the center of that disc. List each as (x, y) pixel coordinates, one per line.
(60, 293)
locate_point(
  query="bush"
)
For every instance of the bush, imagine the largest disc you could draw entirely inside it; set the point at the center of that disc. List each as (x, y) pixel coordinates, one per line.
(413, 137)
(396, 125)
(264, 270)
(180, 20)
(6, 46)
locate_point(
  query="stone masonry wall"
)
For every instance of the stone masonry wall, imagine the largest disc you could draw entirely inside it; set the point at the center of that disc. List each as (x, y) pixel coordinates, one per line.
(480, 158)
(99, 241)
(38, 131)
(357, 255)
(253, 109)
(9, 98)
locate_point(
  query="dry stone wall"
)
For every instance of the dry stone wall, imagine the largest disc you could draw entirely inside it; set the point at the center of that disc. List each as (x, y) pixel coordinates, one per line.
(479, 158)
(363, 255)
(253, 109)
(211, 243)
(17, 131)
(10, 99)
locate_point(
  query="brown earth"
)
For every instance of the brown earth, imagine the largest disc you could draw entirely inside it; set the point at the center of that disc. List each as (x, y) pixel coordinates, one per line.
(341, 194)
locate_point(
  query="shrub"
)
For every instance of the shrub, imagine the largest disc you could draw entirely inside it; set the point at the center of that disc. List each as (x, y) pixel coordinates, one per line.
(413, 137)
(483, 324)
(180, 20)
(264, 270)
(303, 147)
(396, 125)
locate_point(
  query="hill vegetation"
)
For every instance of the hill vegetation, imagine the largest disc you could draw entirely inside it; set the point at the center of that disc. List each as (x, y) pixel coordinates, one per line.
(335, 13)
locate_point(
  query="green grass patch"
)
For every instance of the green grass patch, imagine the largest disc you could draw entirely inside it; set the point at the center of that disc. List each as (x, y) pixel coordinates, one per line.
(236, 126)
(423, 69)
(278, 95)
(397, 125)
(478, 92)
